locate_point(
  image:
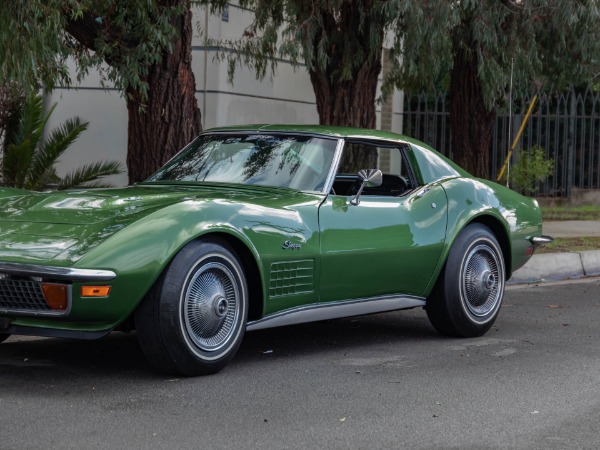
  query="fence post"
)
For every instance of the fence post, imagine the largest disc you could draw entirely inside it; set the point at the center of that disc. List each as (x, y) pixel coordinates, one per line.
(560, 127)
(570, 142)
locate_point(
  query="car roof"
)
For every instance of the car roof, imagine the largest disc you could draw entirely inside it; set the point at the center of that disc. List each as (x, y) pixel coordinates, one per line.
(340, 132)
(328, 130)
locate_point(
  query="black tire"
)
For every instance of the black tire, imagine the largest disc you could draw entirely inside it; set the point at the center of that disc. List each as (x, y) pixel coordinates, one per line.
(467, 296)
(4, 336)
(193, 320)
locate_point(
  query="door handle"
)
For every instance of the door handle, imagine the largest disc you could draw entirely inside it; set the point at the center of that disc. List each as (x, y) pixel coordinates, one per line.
(423, 192)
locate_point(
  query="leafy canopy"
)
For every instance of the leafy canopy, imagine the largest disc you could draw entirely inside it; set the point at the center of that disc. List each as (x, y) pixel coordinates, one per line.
(550, 43)
(37, 37)
(554, 43)
(331, 35)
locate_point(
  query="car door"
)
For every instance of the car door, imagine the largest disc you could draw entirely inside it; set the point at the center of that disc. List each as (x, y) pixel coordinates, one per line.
(388, 243)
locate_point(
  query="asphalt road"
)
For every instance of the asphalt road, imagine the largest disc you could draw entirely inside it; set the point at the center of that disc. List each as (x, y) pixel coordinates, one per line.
(382, 381)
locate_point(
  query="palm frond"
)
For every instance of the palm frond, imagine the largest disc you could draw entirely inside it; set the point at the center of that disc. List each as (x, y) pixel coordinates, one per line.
(15, 163)
(22, 141)
(43, 179)
(90, 173)
(28, 161)
(29, 115)
(49, 152)
(32, 120)
(93, 185)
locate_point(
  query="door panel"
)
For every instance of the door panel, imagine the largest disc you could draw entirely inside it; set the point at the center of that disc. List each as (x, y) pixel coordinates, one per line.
(384, 245)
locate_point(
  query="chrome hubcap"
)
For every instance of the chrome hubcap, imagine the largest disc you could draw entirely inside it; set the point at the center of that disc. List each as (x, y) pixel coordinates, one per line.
(482, 281)
(211, 306)
(221, 306)
(489, 280)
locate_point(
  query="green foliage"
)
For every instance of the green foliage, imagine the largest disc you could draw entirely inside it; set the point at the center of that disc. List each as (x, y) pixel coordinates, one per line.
(585, 212)
(28, 158)
(37, 37)
(552, 43)
(576, 244)
(531, 167)
(333, 35)
(32, 42)
(87, 175)
(10, 97)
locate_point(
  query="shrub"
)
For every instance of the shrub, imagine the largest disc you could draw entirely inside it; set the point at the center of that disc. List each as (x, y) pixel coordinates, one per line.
(530, 168)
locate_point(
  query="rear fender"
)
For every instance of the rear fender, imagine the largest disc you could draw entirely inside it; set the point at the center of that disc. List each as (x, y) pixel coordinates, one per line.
(512, 218)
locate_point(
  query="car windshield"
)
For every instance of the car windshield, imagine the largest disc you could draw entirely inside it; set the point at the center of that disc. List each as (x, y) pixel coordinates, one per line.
(297, 162)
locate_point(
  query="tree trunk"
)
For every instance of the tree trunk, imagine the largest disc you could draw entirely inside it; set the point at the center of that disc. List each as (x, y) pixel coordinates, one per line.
(170, 117)
(347, 102)
(472, 123)
(348, 99)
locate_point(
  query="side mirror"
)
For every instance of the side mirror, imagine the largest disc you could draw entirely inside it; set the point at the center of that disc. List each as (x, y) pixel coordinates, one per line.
(368, 178)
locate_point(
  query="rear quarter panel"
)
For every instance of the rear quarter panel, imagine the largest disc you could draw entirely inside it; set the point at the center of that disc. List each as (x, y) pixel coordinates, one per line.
(515, 216)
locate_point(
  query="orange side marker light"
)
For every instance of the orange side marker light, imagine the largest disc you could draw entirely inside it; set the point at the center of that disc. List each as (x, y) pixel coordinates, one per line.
(95, 291)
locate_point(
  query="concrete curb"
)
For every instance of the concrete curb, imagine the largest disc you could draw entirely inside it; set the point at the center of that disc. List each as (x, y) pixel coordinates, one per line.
(558, 266)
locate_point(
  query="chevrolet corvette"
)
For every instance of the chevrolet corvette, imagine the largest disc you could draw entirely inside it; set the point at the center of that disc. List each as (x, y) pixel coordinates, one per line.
(260, 226)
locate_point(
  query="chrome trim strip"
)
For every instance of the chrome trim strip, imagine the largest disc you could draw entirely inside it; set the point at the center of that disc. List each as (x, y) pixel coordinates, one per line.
(541, 240)
(336, 310)
(59, 273)
(334, 166)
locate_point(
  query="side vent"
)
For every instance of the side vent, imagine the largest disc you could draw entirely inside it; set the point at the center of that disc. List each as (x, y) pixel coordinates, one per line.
(292, 277)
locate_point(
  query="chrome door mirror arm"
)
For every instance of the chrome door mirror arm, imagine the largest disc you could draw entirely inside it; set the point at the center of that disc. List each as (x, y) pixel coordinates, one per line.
(368, 178)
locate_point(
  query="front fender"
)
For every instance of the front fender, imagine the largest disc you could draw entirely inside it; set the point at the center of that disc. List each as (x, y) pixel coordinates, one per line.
(139, 253)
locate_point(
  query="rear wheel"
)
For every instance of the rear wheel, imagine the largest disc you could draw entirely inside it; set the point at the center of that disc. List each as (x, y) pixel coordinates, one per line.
(193, 321)
(466, 299)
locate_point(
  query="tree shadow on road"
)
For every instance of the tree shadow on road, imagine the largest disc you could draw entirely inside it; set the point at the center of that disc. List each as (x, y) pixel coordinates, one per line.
(337, 337)
(118, 356)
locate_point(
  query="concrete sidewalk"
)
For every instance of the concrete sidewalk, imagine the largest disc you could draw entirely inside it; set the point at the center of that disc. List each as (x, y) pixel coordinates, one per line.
(572, 228)
(562, 266)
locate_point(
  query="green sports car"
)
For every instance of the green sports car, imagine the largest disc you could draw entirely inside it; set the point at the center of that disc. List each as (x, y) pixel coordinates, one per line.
(262, 226)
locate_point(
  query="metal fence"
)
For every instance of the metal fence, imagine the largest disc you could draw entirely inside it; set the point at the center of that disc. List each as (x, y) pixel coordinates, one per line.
(566, 126)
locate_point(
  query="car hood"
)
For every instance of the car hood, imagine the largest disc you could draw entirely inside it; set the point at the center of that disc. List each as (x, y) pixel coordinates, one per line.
(82, 207)
(63, 226)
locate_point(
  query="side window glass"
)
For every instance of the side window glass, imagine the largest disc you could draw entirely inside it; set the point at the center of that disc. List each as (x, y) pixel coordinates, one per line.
(358, 156)
(390, 160)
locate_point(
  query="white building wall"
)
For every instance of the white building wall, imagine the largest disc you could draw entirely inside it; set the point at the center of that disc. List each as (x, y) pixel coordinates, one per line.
(286, 97)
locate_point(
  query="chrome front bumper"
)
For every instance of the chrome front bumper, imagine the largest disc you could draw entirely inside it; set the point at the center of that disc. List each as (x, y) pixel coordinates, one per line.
(22, 287)
(56, 273)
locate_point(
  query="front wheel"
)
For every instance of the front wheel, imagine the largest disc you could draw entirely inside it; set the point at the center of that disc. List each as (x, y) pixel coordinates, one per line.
(193, 320)
(467, 296)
